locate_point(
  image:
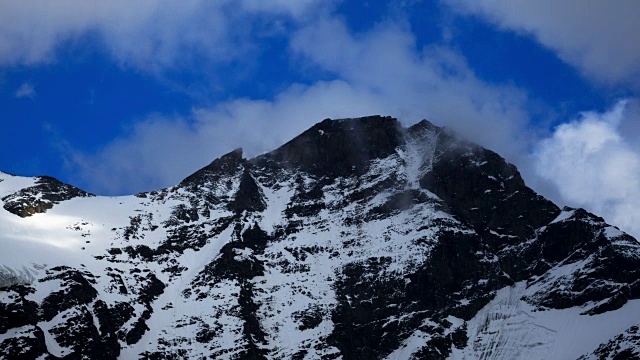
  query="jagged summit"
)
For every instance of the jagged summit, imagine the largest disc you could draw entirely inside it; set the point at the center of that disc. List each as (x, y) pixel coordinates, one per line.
(339, 147)
(332, 147)
(43, 193)
(226, 164)
(358, 239)
(422, 126)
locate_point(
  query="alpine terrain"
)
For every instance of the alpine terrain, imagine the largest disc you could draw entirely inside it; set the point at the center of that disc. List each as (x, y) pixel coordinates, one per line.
(358, 239)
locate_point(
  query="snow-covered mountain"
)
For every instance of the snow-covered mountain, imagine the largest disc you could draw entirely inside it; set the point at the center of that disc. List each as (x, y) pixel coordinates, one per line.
(358, 239)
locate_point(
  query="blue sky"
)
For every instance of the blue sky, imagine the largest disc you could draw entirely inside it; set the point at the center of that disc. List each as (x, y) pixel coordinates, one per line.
(121, 97)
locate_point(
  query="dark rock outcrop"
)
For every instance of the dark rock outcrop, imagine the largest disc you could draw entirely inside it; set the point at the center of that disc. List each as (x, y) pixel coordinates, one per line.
(41, 197)
(339, 147)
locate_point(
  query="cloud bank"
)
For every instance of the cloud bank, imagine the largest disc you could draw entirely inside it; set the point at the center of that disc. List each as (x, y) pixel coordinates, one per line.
(381, 71)
(597, 37)
(147, 35)
(593, 167)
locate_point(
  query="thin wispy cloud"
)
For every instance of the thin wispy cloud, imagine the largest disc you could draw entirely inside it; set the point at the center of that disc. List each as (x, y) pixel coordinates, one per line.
(146, 35)
(26, 90)
(597, 37)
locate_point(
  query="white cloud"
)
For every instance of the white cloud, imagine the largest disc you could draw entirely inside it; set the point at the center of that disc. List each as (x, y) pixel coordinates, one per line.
(146, 34)
(413, 83)
(379, 72)
(598, 37)
(161, 151)
(592, 166)
(26, 90)
(297, 9)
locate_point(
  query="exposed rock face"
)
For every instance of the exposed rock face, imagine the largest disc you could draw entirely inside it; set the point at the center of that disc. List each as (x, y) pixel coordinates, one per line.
(41, 197)
(358, 239)
(623, 346)
(339, 148)
(483, 190)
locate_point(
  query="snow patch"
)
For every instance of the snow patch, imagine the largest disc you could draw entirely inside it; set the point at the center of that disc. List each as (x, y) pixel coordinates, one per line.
(564, 215)
(510, 328)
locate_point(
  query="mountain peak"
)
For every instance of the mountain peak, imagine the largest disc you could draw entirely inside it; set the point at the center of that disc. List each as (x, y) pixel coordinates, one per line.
(39, 196)
(225, 164)
(358, 239)
(423, 125)
(340, 147)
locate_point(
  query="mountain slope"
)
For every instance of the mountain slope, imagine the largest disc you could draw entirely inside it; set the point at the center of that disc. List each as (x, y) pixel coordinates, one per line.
(358, 239)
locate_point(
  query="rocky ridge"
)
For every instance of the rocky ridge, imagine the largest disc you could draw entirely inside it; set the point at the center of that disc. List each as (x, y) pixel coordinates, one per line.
(358, 239)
